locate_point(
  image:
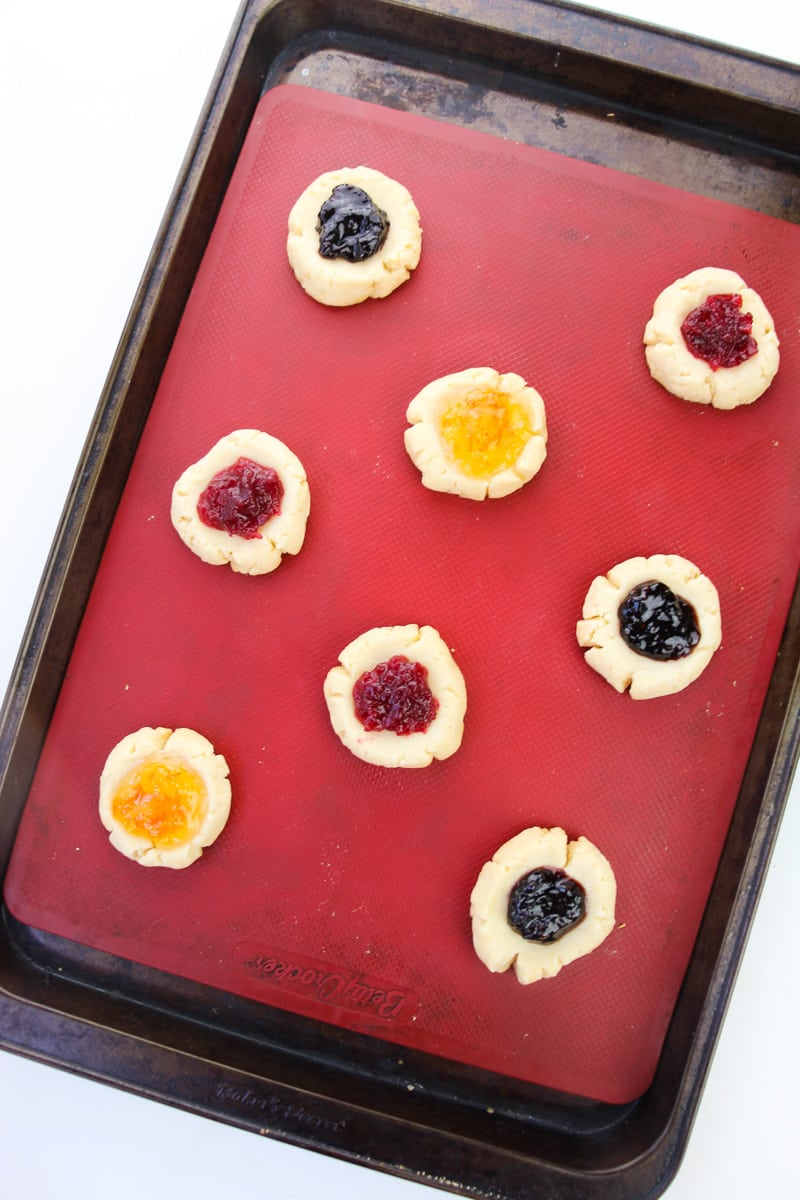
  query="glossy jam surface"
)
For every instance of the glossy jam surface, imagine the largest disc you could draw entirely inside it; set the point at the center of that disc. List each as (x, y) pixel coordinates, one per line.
(350, 225)
(655, 622)
(163, 800)
(545, 904)
(394, 695)
(485, 432)
(241, 498)
(719, 332)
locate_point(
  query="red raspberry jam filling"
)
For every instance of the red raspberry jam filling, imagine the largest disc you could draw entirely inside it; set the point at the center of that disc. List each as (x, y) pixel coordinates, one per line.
(719, 332)
(241, 498)
(395, 695)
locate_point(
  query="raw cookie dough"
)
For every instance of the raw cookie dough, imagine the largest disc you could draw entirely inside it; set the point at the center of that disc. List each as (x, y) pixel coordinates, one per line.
(498, 945)
(625, 668)
(336, 281)
(164, 796)
(477, 433)
(384, 747)
(282, 533)
(674, 366)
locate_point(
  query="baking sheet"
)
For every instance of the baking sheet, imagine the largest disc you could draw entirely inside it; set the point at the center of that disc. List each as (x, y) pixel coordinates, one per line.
(530, 263)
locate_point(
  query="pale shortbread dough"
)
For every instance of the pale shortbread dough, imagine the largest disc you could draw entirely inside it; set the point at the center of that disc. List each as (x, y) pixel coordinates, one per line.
(335, 281)
(607, 652)
(497, 943)
(674, 366)
(383, 747)
(429, 450)
(281, 534)
(189, 748)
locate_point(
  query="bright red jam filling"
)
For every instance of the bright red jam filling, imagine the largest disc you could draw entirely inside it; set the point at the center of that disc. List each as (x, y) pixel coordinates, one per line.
(241, 498)
(719, 332)
(395, 695)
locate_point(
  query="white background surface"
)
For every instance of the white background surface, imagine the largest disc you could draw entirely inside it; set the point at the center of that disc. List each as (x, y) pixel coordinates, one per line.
(99, 101)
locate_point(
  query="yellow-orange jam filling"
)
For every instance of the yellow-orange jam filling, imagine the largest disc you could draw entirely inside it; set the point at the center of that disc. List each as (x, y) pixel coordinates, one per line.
(485, 432)
(162, 799)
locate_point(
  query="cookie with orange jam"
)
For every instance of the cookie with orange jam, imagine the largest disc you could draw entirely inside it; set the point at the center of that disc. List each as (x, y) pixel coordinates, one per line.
(477, 433)
(164, 796)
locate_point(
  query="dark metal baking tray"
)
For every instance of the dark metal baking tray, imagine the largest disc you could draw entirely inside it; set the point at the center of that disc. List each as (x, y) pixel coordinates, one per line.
(642, 101)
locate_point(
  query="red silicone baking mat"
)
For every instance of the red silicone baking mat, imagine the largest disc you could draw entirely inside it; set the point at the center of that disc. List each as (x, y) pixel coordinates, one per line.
(341, 890)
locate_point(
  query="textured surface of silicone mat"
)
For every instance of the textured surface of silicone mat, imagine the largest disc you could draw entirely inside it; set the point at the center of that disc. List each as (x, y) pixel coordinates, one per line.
(339, 890)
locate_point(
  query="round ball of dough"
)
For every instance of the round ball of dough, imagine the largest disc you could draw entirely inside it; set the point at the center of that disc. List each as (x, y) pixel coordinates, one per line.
(339, 282)
(477, 433)
(627, 669)
(164, 796)
(440, 676)
(676, 368)
(283, 532)
(498, 944)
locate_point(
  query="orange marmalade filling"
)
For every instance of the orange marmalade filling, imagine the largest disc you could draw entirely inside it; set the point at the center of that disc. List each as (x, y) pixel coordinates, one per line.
(163, 800)
(485, 432)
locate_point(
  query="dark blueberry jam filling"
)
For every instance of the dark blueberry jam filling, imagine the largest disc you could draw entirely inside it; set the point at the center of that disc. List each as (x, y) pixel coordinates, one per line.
(395, 695)
(241, 498)
(545, 904)
(350, 225)
(655, 622)
(719, 332)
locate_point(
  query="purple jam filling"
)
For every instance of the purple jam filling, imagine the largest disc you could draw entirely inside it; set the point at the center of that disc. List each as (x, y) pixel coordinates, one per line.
(350, 225)
(545, 904)
(655, 622)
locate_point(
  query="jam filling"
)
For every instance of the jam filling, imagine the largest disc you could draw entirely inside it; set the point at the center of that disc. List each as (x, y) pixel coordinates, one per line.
(545, 904)
(350, 225)
(655, 622)
(485, 432)
(394, 695)
(163, 800)
(719, 332)
(241, 498)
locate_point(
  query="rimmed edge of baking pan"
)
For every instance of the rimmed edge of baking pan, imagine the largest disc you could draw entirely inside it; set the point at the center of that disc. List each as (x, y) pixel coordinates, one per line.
(629, 90)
